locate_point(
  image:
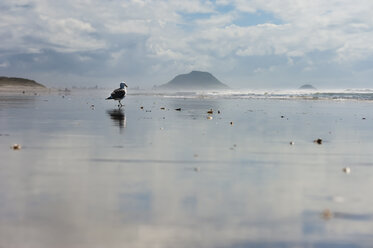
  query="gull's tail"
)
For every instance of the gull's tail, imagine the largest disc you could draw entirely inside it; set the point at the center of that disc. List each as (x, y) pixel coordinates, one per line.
(110, 97)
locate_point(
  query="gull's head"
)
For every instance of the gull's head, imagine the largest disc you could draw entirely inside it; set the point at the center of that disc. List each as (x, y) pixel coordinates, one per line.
(122, 85)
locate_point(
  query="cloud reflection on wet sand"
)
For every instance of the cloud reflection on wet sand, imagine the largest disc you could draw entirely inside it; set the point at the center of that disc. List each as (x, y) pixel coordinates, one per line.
(80, 183)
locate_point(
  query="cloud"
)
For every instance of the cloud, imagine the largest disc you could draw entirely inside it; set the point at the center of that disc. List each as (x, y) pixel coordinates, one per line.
(4, 64)
(165, 37)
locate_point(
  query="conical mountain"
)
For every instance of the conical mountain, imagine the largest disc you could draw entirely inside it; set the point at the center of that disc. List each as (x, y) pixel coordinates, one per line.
(195, 80)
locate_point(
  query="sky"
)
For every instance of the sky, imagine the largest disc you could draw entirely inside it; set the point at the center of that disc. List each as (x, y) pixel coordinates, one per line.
(244, 43)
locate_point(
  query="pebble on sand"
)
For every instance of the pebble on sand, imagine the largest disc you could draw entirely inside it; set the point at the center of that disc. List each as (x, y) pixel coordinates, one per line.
(209, 117)
(231, 123)
(291, 143)
(196, 169)
(16, 147)
(346, 170)
(318, 141)
(178, 109)
(210, 111)
(163, 108)
(141, 107)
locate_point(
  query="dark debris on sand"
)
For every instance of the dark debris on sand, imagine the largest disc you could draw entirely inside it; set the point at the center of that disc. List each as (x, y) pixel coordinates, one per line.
(318, 141)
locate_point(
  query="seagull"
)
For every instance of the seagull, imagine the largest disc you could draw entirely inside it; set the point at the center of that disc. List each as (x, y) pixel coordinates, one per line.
(119, 94)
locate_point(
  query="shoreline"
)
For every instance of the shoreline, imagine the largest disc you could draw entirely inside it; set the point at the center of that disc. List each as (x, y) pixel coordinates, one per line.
(24, 90)
(11, 90)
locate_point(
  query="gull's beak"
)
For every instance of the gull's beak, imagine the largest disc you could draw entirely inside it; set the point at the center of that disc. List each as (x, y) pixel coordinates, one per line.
(125, 85)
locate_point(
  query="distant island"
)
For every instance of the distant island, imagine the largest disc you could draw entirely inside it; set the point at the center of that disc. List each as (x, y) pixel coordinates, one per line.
(19, 83)
(307, 87)
(195, 80)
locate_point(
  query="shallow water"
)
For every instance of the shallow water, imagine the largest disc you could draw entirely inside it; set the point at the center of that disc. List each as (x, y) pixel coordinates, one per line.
(96, 176)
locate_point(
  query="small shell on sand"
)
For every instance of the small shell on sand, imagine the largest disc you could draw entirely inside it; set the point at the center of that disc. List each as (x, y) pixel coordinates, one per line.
(327, 214)
(346, 170)
(16, 147)
(338, 199)
(209, 117)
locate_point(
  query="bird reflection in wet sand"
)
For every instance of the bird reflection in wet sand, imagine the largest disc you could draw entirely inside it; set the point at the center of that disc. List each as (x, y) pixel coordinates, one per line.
(118, 116)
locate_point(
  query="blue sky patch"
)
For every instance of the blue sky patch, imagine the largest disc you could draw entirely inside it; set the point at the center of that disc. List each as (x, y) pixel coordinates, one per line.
(259, 17)
(223, 9)
(194, 16)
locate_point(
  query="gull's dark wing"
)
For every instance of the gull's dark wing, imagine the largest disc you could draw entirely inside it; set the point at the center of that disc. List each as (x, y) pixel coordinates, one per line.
(118, 94)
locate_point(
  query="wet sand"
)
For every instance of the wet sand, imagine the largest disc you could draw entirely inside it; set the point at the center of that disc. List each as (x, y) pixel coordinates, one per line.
(90, 175)
(10, 90)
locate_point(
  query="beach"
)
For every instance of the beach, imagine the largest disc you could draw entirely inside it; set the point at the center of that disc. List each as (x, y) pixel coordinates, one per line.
(163, 172)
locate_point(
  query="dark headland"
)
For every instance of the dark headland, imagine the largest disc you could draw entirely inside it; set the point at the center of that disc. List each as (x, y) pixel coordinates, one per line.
(195, 80)
(19, 83)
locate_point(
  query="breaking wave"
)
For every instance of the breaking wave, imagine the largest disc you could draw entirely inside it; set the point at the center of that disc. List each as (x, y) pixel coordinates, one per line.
(346, 94)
